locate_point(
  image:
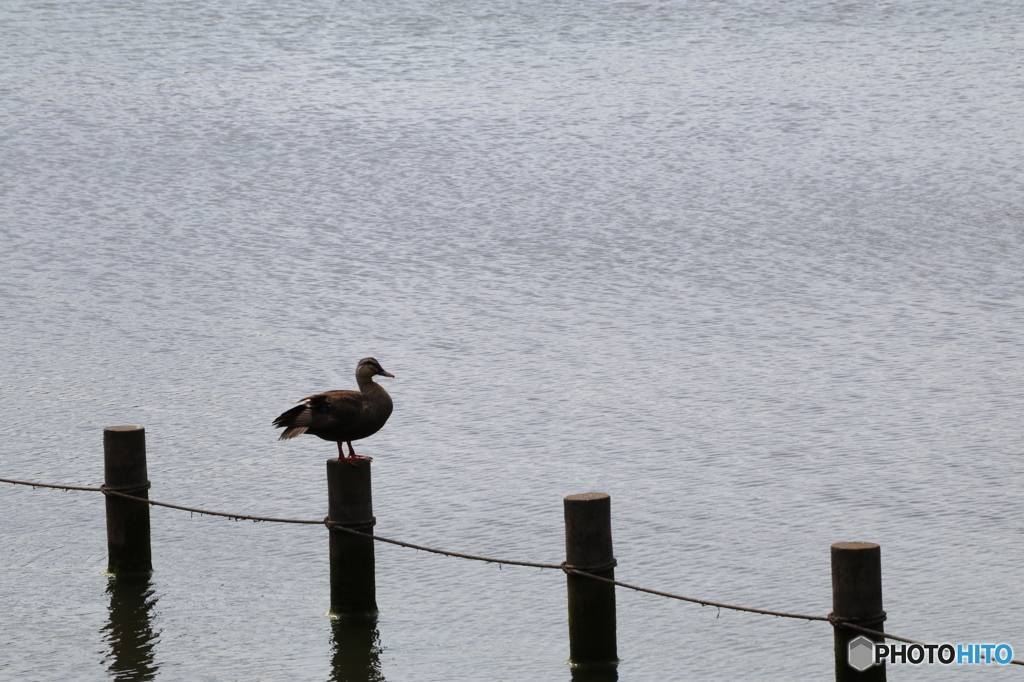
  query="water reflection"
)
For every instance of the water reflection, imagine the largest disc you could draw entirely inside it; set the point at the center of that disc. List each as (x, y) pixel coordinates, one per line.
(357, 650)
(129, 629)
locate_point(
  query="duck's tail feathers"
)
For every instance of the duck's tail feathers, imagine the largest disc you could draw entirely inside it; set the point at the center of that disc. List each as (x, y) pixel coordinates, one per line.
(292, 432)
(289, 420)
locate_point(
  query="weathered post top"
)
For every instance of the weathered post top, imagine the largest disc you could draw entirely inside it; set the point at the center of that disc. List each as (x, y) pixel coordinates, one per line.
(856, 579)
(588, 529)
(349, 492)
(124, 456)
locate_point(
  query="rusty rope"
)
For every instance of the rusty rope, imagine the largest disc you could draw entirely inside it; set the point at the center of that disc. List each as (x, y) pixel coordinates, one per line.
(50, 485)
(836, 621)
(434, 550)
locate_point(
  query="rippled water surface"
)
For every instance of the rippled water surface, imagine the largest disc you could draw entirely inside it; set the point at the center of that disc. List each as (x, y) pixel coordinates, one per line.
(751, 268)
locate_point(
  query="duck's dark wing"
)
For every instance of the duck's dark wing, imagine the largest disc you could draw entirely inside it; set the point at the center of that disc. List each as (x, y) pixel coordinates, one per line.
(323, 414)
(335, 409)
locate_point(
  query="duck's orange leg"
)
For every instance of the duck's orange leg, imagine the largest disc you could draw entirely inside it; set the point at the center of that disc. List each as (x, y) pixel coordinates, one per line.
(353, 458)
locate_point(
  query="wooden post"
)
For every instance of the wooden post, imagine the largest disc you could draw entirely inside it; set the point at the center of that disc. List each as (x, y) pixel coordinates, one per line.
(588, 547)
(350, 504)
(124, 470)
(857, 597)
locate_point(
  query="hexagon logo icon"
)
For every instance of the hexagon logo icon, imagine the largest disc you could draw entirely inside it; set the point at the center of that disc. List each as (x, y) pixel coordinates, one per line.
(861, 654)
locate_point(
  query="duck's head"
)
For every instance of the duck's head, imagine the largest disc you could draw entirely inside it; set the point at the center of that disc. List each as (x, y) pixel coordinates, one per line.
(369, 367)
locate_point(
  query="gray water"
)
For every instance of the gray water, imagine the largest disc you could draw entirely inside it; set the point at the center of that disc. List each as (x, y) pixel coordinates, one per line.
(752, 268)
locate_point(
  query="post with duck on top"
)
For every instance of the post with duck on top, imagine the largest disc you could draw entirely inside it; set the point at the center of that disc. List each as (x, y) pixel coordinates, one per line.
(350, 505)
(124, 471)
(588, 547)
(342, 417)
(857, 599)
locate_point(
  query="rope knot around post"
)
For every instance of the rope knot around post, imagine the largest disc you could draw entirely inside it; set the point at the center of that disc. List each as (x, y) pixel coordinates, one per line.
(357, 526)
(568, 568)
(126, 489)
(863, 621)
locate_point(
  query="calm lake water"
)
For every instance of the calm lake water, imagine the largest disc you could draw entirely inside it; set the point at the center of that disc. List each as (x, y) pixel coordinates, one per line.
(752, 268)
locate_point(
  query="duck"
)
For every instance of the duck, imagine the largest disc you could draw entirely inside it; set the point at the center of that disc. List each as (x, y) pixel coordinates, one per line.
(342, 416)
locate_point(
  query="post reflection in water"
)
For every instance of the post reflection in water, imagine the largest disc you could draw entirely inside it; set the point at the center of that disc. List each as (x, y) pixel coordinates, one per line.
(357, 650)
(129, 629)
